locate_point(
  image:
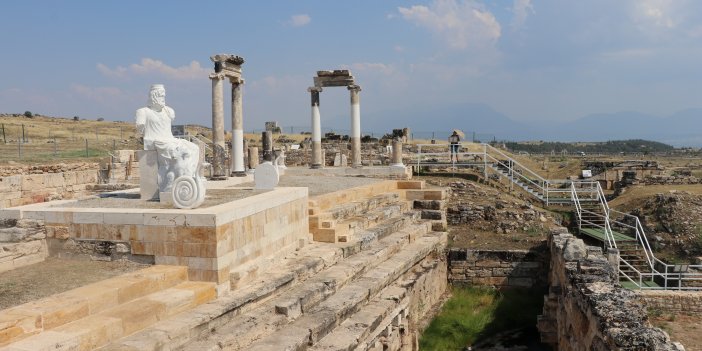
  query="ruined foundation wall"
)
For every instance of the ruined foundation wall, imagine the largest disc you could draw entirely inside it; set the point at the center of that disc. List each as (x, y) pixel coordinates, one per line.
(498, 268)
(587, 309)
(424, 284)
(21, 243)
(19, 190)
(684, 302)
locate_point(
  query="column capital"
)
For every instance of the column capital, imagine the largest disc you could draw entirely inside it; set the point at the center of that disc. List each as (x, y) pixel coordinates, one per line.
(314, 89)
(353, 87)
(236, 80)
(219, 76)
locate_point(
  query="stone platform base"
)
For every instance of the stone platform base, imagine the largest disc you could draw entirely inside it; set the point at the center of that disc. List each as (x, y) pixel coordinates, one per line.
(210, 241)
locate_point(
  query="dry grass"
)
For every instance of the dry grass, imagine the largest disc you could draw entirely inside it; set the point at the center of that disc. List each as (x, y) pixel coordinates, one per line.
(634, 195)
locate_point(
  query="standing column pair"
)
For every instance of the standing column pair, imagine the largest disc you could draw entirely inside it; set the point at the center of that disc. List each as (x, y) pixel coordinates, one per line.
(317, 161)
(218, 144)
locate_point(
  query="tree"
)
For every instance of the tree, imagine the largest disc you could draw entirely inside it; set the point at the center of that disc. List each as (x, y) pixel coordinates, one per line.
(28, 114)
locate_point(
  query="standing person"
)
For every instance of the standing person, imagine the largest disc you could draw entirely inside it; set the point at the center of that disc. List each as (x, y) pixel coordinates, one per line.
(454, 141)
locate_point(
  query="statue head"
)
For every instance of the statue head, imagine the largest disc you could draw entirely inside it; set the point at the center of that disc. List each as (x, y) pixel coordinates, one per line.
(157, 97)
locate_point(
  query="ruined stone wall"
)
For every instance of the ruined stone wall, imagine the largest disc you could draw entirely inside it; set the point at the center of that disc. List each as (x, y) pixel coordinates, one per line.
(587, 309)
(25, 189)
(21, 243)
(684, 302)
(417, 293)
(671, 180)
(498, 268)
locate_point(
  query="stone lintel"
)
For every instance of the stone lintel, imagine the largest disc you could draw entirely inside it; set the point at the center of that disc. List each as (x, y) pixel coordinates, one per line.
(333, 81)
(334, 73)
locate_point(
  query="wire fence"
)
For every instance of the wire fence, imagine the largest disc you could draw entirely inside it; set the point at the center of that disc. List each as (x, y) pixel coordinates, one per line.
(27, 142)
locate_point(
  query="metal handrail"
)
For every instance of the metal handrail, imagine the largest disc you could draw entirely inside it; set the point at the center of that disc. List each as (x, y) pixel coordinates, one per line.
(543, 189)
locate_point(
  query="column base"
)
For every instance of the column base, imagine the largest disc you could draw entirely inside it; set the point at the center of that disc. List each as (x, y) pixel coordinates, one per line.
(239, 174)
(397, 165)
(218, 177)
(357, 166)
(316, 166)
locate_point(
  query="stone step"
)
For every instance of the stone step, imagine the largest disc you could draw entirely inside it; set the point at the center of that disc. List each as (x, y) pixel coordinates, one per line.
(322, 319)
(52, 312)
(342, 231)
(272, 300)
(99, 329)
(385, 310)
(342, 211)
(277, 313)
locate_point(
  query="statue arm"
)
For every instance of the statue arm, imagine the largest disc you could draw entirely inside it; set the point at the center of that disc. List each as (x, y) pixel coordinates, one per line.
(170, 112)
(140, 121)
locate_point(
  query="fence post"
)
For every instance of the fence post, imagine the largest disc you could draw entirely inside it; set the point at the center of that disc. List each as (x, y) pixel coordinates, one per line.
(86, 147)
(55, 148)
(24, 138)
(19, 146)
(120, 134)
(4, 140)
(96, 135)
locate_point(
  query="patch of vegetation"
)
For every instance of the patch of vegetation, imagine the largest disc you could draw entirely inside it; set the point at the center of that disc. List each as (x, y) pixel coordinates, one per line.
(472, 314)
(613, 146)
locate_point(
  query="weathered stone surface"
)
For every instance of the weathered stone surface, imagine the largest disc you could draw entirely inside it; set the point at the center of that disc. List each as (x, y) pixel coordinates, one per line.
(587, 309)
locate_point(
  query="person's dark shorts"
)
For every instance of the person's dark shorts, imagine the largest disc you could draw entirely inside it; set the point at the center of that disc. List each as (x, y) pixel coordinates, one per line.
(454, 148)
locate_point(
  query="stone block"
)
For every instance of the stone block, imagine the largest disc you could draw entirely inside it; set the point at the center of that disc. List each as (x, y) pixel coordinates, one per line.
(148, 169)
(410, 184)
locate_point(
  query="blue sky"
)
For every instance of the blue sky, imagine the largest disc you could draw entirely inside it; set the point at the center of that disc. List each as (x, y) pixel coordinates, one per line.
(532, 60)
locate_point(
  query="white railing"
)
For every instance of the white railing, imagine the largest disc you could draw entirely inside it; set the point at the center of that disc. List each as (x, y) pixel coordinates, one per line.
(577, 191)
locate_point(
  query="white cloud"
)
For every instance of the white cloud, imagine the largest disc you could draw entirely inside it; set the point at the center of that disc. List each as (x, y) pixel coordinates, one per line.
(521, 9)
(660, 13)
(299, 20)
(149, 66)
(461, 24)
(100, 94)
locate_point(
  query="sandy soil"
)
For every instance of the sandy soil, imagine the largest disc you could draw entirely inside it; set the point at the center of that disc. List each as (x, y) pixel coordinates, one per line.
(55, 275)
(682, 328)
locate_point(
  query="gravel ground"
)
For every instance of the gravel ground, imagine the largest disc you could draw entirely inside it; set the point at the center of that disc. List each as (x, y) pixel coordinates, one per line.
(54, 276)
(319, 185)
(213, 197)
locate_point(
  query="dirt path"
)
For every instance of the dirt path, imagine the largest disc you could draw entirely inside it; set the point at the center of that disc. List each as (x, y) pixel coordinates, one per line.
(684, 329)
(53, 276)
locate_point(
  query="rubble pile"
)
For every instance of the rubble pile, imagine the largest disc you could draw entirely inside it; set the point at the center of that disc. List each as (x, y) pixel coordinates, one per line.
(673, 220)
(10, 170)
(483, 209)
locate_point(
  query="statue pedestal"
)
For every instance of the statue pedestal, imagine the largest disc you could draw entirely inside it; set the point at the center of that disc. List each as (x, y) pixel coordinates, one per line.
(148, 171)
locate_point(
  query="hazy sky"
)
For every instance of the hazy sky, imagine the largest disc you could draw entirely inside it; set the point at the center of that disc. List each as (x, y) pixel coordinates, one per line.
(529, 59)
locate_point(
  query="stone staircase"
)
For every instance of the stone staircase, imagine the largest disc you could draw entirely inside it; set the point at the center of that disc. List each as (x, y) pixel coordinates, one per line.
(383, 272)
(94, 315)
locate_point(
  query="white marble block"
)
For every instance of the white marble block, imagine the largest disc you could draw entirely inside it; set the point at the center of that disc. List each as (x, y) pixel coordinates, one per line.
(148, 169)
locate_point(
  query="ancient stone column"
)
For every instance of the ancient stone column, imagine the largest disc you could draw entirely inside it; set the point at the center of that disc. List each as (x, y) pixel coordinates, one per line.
(317, 160)
(396, 154)
(267, 142)
(355, 126)
(253, 157)
(237, 128)
(218, 170)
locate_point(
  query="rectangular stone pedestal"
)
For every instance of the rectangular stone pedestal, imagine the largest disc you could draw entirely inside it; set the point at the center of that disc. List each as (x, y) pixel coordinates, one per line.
(148, 171)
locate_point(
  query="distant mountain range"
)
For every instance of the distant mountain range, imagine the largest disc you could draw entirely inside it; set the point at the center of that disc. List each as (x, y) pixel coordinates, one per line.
(683, 128)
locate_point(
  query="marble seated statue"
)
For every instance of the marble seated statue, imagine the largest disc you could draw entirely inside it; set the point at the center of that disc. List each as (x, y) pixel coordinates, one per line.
(178, 159)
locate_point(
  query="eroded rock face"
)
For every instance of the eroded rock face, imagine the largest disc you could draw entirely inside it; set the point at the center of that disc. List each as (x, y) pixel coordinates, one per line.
(587, 309)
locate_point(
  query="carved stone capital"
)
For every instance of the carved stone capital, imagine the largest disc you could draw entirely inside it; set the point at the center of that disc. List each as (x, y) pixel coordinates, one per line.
(214, 76)
(314, 89)
(235, 80)
(355, 87)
